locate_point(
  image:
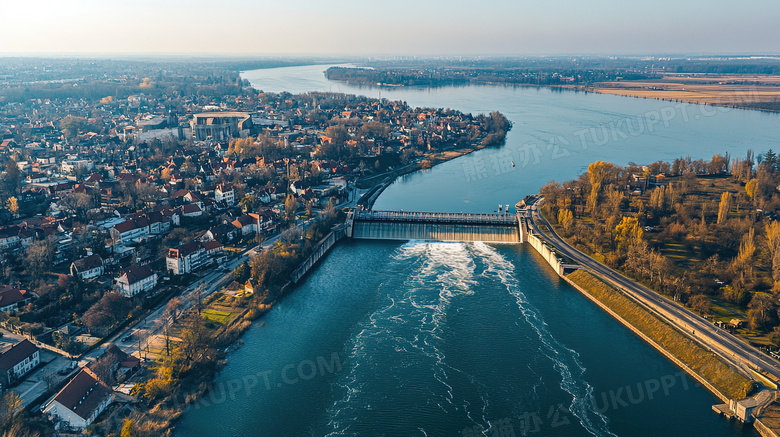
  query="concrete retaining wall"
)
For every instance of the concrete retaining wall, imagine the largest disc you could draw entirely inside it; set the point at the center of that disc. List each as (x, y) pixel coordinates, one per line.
(650, 341)
(547, 253)
(319, 251)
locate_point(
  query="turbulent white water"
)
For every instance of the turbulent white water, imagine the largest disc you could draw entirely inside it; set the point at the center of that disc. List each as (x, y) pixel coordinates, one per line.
(565, 360)
(405, 336)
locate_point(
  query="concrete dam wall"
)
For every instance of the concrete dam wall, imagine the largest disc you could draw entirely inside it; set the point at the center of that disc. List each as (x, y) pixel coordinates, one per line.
(400, 225)
(435, 231)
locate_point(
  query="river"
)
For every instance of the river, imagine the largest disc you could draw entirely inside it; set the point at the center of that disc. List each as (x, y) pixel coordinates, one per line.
(454, 339)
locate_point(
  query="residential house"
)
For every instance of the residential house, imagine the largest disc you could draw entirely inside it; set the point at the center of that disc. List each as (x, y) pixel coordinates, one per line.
(113, 364)
(130, 230)
(186, 258)
(192, 256)
(246, 223)
(13, 237)
(216, 251)
(17, 362)
(87, 268)
(80, 402)
(11, 298)
(191, 210)
(223, 233)
(225, 193)
(136, 279)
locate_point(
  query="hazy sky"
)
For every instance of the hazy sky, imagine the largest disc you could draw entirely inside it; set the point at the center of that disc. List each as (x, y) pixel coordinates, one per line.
(400, 27)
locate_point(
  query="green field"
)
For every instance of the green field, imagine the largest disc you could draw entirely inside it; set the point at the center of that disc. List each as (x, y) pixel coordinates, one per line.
(218, 316)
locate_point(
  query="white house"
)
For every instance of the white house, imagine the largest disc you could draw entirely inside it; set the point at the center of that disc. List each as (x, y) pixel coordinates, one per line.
(12, 237)
(186, 258)
(225, 193)
(247, 224)
(136, 279)
(130, 230)
(70, 165)
(80, 402)
(11, 298)
(87, 268)
(17, 362)
(191, 210)
(191, 256)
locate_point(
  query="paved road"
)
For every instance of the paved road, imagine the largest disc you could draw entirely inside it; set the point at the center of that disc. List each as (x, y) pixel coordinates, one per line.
(719, 341)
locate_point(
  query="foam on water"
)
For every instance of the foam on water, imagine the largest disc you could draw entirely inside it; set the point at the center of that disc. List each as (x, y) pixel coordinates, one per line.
(565, 360)
(411, 320)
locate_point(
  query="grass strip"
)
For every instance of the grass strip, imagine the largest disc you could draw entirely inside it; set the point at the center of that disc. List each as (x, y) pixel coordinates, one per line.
(706, 364)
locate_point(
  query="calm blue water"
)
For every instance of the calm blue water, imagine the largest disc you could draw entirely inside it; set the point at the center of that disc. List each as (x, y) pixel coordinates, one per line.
(449, 339)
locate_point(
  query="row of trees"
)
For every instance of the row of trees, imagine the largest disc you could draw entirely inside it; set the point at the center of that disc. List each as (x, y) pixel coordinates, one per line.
(697, 232)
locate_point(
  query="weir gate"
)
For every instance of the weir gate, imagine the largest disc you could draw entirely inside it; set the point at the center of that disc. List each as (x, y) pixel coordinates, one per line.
(402, 225)
(435, 226)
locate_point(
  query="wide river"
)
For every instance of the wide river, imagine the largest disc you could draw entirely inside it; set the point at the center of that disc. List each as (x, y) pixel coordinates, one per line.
(452, 339)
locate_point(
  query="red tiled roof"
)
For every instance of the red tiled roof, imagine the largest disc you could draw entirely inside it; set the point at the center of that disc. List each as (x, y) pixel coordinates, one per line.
(83, 394)
(244, 220)
(91, 262)
(10, 295)
(188, 248)
(211, 245)
(189, 208)
(17, 354)
(137, 273)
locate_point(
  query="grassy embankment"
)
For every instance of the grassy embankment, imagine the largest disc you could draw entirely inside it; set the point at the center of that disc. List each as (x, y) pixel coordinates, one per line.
(704, 363)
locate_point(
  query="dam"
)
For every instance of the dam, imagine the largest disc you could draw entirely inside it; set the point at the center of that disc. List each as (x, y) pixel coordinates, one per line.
(366, 224)
(434, 226)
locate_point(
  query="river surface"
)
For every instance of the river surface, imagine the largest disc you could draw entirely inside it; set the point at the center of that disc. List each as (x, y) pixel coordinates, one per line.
(456, 339)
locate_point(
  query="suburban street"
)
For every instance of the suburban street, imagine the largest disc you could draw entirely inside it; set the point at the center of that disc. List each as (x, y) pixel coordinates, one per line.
(156, 320)
(142, 331)
(727, 346)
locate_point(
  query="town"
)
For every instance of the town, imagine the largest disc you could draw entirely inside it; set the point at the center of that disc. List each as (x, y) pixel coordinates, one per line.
(177, 199)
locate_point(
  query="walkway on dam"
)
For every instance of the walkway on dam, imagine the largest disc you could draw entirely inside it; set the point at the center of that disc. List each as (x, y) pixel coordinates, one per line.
(436, 217)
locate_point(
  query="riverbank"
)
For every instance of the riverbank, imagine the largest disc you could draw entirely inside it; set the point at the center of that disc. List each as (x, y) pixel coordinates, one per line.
(707, 369)
(728, 92)
(377, 184)
(704, 366)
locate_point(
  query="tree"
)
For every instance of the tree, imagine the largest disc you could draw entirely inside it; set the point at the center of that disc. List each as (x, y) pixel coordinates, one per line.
(772, 231)
(71, 126)
(103, 368)
(39, 256)
(761, 310)
(10, 405)
(128, 429)
(701, 303)
(110, 309)
(77, 204)
(744, 260)
(290, 207)
(751, 187)
(330, 210)
(628, 232)
(566, 219)
(195, 341)
(12, 205)
(723, 207)
(12, 180)
(173, 308)
(242, 272)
